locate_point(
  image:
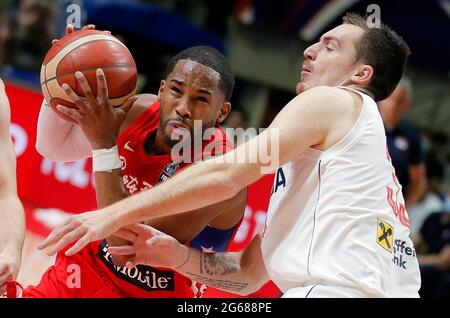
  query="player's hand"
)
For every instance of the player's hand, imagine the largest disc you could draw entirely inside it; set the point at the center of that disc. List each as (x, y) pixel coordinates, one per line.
(149, 247)
(83, 228)
(9, 269)
(70, 29)
(98, 119)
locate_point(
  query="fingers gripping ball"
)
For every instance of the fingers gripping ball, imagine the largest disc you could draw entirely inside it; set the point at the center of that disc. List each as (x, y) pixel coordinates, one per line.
(86, 51)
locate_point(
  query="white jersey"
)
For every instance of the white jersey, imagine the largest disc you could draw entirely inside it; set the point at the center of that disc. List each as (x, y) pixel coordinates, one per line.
(337, 225)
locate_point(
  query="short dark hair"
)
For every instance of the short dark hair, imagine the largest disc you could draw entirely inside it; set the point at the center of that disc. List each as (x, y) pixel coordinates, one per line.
(384, 50)
(211, 58)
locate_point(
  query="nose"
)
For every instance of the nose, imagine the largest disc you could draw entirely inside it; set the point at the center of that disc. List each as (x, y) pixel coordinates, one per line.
(183, 109)
(309, 53)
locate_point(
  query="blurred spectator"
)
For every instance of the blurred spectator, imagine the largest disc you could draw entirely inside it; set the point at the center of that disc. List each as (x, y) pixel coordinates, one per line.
(236, 119)
(5, 7)
(433, 247)
(236, 125)
(432, 200)
(213, 15)
(404, 143)
(217, 16)
(31, 33)
(432, 217)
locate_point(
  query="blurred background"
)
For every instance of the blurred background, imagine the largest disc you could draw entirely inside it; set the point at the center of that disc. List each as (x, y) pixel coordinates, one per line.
(264, 41)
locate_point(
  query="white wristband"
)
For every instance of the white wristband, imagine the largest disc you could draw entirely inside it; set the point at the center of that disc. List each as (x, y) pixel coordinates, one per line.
(105, 160)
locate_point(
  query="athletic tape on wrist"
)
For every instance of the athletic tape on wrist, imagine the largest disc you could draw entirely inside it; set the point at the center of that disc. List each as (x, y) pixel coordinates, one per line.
(105, 160)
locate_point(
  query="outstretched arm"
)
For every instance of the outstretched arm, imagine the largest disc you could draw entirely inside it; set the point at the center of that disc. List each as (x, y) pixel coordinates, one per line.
(306, 121)
(240, 273)
(12, 219)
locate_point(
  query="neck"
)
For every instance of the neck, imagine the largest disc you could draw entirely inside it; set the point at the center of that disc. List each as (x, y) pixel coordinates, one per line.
(350, 84)
(362, 90)
(155, 144)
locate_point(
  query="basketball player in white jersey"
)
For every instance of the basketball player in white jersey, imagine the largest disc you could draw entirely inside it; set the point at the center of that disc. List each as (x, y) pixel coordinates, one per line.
(12, 218)
(336, 225)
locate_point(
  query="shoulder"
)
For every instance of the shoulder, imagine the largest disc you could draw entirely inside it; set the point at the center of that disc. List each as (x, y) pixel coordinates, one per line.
(317, 111)
(143, 102)
(325, 98)
(326, 91)
(325, 105)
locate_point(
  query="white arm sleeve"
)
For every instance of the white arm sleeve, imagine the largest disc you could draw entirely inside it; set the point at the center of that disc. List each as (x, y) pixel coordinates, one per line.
(58, 139)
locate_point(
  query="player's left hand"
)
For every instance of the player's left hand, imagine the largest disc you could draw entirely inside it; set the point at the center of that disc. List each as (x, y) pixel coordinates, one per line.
(9, 269)
(83, 228)
(98, 119)
(149, 247)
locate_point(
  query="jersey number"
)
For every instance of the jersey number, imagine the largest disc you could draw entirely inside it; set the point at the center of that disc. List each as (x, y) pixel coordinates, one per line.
(398, 208)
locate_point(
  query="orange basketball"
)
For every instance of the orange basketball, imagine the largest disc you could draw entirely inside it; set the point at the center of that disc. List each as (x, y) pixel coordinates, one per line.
(86, 51)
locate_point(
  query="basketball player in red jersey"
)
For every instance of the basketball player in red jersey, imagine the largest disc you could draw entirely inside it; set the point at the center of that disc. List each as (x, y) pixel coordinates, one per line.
(131, 149)
(12, 225)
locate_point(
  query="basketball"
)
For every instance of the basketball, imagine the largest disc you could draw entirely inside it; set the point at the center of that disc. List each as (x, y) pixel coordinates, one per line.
(86, 51)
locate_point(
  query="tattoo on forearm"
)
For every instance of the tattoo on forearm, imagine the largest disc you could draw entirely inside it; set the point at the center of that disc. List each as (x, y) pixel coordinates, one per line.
(219, 283)
(212, 264)
(217, 264)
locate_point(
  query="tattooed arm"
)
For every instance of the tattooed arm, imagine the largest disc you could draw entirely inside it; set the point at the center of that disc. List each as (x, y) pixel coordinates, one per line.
(240, 272)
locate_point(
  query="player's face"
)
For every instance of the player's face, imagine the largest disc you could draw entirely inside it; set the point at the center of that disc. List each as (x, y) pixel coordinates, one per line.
(331, 61)
(190, 93)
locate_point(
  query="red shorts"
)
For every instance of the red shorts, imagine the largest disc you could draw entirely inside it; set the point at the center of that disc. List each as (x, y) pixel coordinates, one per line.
(86, 275)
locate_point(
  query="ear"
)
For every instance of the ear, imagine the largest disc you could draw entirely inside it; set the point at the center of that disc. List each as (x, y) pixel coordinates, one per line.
(162, 86)
(363, 75)
(223, 112)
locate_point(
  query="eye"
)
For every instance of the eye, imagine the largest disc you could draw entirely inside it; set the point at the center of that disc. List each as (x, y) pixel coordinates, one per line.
(329, 48)
(176, 90)
(202, 99)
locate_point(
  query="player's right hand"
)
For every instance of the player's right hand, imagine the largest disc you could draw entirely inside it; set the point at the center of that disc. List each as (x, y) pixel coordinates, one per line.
(82, 229)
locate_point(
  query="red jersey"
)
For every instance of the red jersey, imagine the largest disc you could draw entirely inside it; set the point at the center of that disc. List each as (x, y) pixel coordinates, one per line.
(140, 171)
